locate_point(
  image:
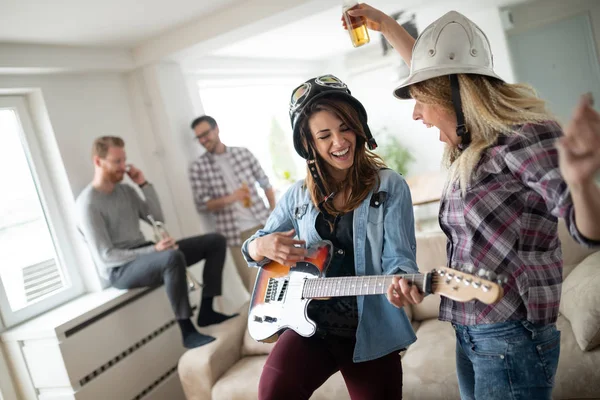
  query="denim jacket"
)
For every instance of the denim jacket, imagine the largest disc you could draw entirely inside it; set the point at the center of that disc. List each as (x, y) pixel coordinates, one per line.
(384, 244)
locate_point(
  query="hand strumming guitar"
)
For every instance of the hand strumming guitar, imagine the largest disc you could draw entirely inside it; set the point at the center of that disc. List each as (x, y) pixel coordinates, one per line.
(279, 247)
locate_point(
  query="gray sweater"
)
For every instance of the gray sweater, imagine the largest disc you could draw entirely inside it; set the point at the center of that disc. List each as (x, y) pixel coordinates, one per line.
(110, 223)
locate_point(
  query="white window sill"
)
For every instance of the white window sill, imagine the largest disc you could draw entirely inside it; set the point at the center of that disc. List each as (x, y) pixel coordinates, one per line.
(55, 323)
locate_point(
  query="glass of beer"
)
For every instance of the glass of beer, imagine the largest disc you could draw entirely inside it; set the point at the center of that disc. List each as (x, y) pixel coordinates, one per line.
(357, 26)
(247, 202)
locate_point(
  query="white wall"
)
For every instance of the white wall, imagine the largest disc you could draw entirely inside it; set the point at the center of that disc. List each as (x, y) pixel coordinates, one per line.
(374, 88)
(537, 13)
(81, 108)
(566, 62)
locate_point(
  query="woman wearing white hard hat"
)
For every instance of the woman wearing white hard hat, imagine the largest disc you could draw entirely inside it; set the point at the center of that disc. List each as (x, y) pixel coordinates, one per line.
(512, 173)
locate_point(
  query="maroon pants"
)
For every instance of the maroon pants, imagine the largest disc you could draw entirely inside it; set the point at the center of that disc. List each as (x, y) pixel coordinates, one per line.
(297, 366)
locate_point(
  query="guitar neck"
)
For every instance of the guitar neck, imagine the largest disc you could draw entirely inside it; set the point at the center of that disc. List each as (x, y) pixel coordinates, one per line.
(358, 285)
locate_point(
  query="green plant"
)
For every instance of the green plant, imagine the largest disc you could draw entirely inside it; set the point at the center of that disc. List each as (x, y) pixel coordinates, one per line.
(395, 155)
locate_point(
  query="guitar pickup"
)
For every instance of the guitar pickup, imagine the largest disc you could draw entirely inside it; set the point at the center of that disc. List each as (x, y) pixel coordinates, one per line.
(270, 319)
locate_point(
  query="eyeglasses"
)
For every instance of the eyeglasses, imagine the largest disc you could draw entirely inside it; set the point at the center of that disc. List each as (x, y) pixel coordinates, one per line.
(204, 134)
(300, 94)
(114, 162)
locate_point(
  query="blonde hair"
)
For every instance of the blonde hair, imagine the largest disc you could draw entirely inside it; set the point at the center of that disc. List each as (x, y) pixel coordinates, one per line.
(491, 108)
(103, 143)
(362, 177)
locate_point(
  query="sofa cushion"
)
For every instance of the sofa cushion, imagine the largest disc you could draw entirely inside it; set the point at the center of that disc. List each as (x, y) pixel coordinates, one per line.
(431, 251)
(201, 367)
(573, 252)
(577, 376)
(251, 347)
(429, 364)
(241, 382)
(408, 310)
(429, 308)
(580, 302)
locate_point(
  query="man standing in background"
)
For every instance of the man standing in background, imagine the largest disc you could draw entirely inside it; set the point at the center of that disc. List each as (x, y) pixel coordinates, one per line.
(223, 182)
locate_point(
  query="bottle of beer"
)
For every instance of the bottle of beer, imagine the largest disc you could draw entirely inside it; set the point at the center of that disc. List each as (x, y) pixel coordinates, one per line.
(357, 26)
(247, 202)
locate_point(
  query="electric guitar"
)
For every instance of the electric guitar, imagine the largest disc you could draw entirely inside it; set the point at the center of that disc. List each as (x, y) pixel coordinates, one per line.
(281, 293)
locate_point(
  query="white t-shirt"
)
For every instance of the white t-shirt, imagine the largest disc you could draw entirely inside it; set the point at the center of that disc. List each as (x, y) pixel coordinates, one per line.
(245, 218)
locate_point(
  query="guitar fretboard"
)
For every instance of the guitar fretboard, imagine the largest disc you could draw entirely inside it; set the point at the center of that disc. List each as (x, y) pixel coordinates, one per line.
(356, 285)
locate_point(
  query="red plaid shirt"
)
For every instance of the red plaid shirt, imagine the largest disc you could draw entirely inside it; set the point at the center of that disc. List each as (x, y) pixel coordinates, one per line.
(208, 184)
(507, 223)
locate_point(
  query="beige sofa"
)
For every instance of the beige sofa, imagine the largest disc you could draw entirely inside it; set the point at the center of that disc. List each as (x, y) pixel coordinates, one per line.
(230, 367)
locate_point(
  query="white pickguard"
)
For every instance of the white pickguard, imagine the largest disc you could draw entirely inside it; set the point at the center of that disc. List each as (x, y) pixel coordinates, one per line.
(284, 310)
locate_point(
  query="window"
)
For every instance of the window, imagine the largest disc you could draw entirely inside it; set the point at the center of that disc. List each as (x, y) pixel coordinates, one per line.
(33, 276)
(253, 113)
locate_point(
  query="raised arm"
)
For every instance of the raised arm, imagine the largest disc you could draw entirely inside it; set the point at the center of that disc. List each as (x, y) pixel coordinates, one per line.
(533, 158)
(151, 205)
(579, 160)
(395, 34)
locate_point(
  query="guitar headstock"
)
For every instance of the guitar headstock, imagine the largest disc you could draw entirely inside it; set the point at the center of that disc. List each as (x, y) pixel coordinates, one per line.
(463, 287)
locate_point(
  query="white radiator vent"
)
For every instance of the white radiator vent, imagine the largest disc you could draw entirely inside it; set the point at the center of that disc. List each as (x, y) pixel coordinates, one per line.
(156, 383)
(41, 279)
(98, 371)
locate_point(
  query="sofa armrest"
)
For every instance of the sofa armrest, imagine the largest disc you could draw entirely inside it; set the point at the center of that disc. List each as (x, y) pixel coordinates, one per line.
(199, 369)
(580, 302)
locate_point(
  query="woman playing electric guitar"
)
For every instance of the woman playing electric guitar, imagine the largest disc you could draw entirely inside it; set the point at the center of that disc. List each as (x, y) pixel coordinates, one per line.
(365, 210)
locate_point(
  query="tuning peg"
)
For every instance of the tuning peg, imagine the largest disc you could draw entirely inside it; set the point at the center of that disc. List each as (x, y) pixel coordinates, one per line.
(502, 279)
(490, 275)
(482, 272)
(469, 268)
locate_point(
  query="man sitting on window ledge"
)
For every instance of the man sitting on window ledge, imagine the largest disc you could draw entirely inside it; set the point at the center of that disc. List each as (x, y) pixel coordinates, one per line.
(108, 216)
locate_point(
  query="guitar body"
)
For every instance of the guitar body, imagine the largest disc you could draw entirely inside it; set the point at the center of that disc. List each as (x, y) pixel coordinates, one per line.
(277, 301)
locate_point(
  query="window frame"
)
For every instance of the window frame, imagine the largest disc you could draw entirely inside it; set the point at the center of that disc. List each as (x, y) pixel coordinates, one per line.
(54, 212)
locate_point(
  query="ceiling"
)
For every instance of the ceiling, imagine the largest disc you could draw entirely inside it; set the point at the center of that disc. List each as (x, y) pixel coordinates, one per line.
(106, 23)
(321, 35)
(311, 38)
(146, 23)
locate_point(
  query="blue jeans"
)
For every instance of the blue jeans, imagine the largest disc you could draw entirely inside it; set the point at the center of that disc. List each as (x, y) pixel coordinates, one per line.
(510, 360)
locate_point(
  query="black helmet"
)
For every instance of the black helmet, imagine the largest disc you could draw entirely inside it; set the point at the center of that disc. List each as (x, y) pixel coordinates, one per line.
(312, 90)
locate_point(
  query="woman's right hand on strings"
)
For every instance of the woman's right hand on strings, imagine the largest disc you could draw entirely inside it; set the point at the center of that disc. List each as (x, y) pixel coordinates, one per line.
(376, 19)
(279, 247)
(401, 293)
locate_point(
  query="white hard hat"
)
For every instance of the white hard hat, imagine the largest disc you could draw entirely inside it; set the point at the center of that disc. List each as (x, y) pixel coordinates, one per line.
(451, 45)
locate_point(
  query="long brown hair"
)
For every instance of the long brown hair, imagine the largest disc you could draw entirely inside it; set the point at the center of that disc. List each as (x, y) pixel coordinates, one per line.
(491, 107)
(363, 175)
